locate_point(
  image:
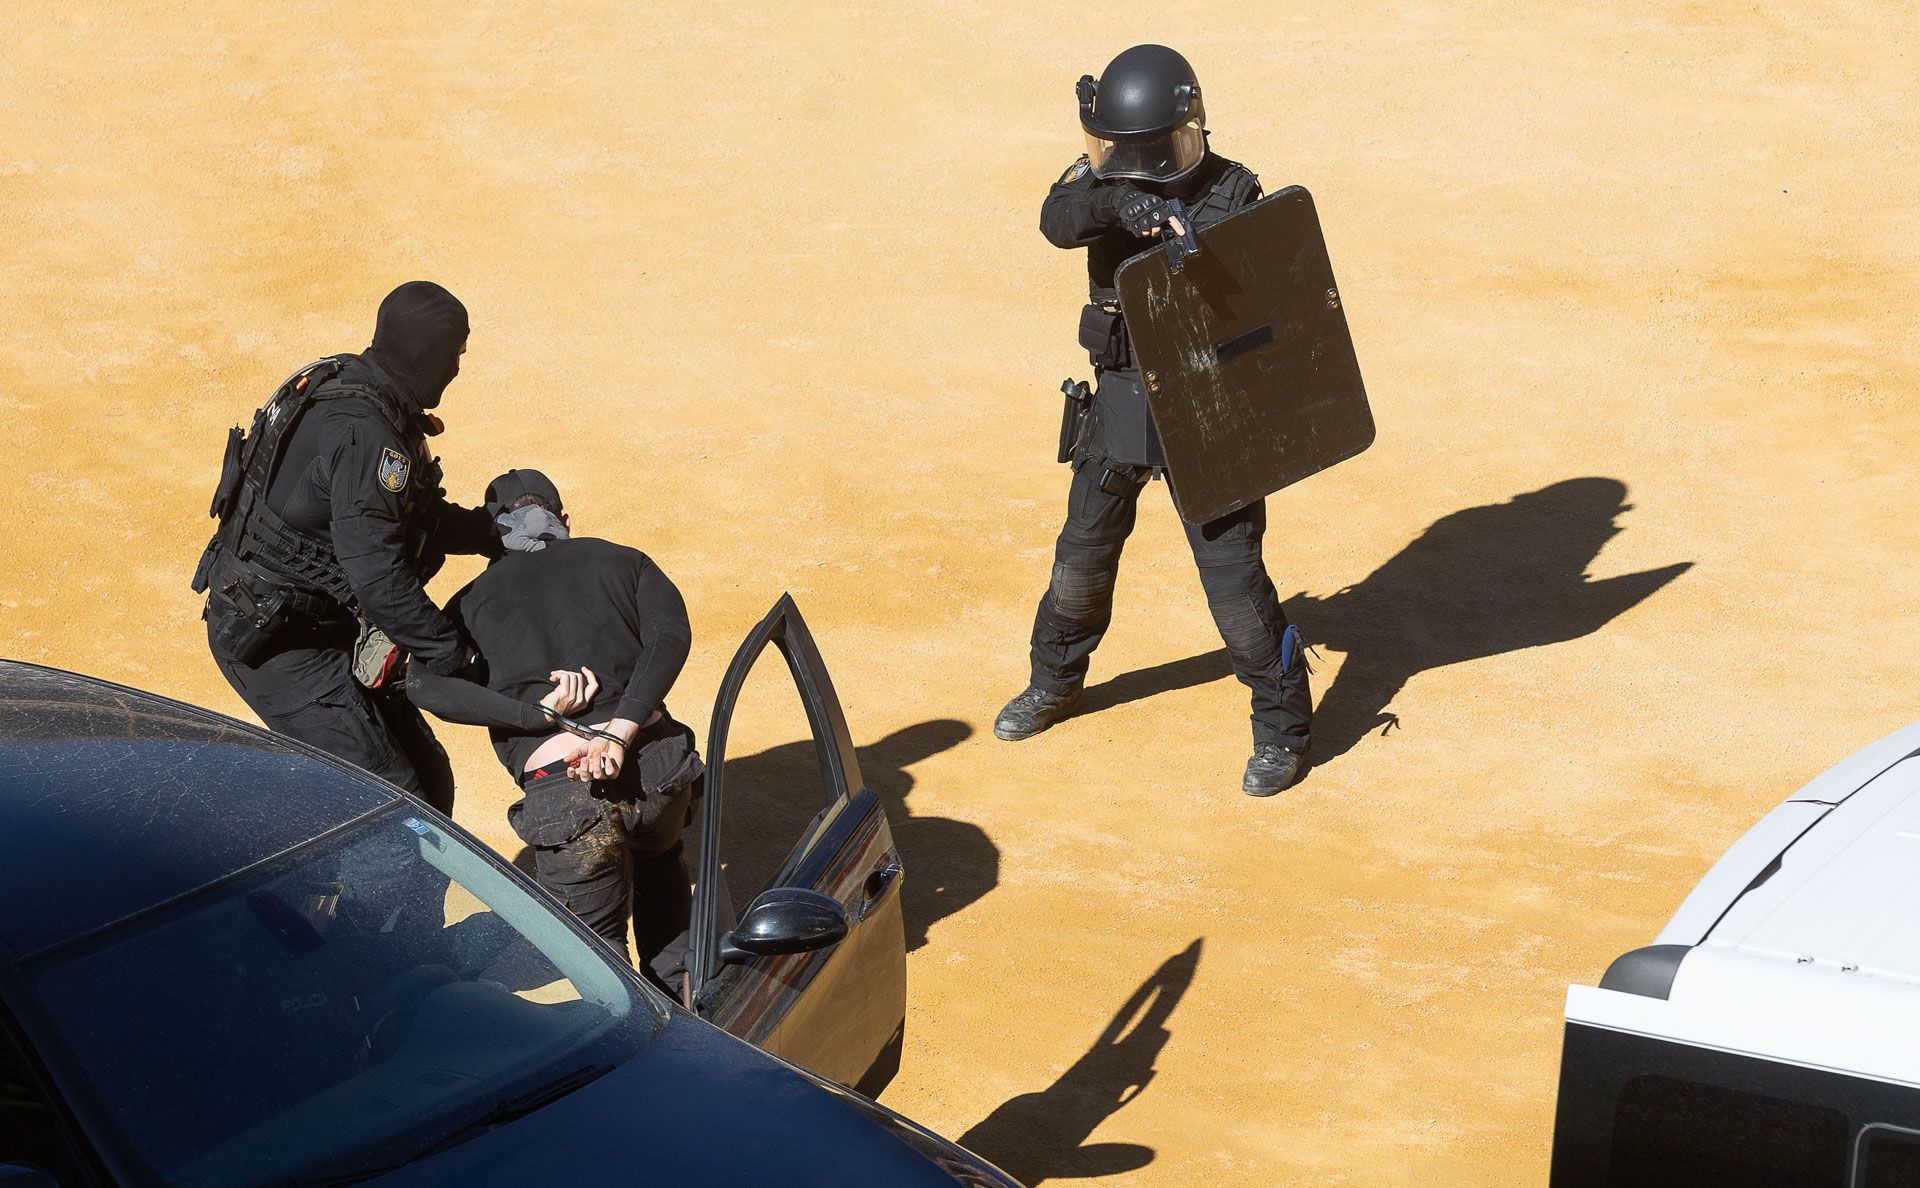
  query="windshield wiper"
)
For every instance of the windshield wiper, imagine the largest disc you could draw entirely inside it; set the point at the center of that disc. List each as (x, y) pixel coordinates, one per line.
(513, 1107)
(502, 1113)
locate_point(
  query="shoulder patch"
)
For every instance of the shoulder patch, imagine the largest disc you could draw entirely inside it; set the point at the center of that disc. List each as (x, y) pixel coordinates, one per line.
(1076, 171)
(393, 469)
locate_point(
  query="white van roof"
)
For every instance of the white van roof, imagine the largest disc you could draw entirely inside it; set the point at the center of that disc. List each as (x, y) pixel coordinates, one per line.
(1830, 877)
(1803, 942)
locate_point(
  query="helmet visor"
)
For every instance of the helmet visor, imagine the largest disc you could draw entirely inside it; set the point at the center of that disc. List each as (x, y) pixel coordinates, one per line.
(1151, 156)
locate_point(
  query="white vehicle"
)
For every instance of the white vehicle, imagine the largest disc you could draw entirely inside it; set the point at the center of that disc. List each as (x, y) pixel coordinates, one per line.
(1771, 1034)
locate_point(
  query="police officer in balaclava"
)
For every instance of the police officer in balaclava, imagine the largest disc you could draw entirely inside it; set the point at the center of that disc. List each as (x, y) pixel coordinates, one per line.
(1147, 143)
(332, 520)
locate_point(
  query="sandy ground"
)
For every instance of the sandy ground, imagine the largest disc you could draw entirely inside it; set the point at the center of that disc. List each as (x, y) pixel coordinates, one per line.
(1632, 286)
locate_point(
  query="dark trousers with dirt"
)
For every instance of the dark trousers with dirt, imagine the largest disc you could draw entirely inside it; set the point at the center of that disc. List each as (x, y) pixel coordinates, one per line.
(305, 689)
(1078, 605)
(624, 862)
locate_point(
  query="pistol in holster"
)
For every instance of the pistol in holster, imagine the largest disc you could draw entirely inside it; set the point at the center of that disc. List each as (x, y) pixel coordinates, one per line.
(1075, 415)
(253, 617)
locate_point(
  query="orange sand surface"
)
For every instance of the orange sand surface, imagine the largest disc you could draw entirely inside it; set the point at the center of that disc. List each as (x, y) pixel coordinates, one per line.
(761, 287)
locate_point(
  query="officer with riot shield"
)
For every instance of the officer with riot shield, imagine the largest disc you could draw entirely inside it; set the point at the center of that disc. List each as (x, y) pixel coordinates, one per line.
(332, 519)
(1149, 171)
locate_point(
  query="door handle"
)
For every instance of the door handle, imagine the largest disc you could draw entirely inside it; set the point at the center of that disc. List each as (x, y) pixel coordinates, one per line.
(883, 877)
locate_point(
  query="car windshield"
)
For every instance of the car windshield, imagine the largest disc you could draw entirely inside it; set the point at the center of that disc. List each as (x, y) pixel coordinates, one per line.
(340, 1009)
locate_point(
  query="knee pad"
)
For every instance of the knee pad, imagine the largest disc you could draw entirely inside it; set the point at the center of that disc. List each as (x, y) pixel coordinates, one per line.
(1081, 594)
(1249, 639)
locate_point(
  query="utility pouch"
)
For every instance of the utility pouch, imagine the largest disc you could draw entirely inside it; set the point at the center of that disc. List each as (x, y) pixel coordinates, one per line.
(202, 573)
(232, 470)
(248, 625)
(1074, 417)
(375, 656)
(1103, 334)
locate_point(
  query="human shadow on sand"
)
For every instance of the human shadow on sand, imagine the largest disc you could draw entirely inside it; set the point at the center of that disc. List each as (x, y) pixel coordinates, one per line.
(1041, 1136)
(1479, 582)
(1142, 683)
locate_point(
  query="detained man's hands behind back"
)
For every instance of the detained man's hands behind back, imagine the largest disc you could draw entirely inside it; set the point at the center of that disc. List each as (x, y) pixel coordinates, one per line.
(602, 758)
(572, 691)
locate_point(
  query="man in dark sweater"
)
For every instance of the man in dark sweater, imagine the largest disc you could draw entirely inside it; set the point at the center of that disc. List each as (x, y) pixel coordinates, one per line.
(603, 819)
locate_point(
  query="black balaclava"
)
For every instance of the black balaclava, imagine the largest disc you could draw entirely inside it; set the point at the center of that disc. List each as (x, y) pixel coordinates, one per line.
(417, 339)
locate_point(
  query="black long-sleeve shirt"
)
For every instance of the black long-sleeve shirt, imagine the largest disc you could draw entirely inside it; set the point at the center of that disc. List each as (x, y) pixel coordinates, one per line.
(356, 473)
(578, 603)
(1080, 210)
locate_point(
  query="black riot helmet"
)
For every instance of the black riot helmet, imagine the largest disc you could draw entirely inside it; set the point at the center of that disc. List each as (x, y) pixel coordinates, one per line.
(1143, 119)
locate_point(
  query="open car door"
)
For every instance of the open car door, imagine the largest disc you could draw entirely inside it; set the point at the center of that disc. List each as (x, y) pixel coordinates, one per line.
(837, 1010)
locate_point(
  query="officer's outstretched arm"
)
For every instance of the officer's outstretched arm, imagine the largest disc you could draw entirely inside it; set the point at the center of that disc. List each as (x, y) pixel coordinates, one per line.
(456, 700)
(1078, 208)
(468, 530)
(373, 548)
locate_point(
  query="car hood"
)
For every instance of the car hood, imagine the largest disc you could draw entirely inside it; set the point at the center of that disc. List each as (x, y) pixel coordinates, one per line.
(698, 1106)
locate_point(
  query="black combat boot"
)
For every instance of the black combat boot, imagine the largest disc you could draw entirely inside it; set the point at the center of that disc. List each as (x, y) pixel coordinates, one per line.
(1272, 769)
(1033, 711)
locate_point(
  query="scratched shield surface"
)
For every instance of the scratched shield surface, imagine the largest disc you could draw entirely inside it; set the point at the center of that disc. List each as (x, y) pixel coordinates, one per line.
(1250, 369)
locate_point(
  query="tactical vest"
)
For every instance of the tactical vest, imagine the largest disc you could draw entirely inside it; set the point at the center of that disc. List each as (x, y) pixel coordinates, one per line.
(250, 531)
(1103, 328)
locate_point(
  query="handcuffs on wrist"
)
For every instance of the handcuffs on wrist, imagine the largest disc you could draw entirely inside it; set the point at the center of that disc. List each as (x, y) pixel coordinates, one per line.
(581, 729)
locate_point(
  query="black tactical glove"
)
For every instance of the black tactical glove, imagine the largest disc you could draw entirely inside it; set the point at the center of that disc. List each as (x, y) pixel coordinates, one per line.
(1139, 211)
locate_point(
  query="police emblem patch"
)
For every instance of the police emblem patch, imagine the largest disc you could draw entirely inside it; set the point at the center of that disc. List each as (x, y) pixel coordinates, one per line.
(393, 470)
(1075, 172)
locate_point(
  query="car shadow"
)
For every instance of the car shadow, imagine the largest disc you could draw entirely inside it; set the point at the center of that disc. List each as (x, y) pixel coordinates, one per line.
(1479, 582)
(1041, 1136)
(772, 796)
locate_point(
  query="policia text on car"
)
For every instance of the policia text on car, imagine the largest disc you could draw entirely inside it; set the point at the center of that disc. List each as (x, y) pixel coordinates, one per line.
(1147, 138)
(331, 521)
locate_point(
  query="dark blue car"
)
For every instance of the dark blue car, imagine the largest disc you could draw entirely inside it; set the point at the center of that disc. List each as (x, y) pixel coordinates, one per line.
(227, 959)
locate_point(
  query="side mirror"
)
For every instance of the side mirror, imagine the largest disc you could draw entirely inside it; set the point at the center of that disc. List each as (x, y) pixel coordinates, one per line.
(25, 1175)
(785, 920)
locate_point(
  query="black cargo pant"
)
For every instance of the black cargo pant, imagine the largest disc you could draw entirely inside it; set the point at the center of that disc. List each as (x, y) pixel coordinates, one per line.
(1078, 605)
(306, 690)
(625, 863)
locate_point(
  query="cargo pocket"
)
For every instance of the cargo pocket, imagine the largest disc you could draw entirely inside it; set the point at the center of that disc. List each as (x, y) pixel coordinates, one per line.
(554, 810)
(335, 716)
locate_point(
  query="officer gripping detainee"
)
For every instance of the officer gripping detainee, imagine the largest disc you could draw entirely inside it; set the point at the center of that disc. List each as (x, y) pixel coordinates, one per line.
(331, 521)
(1147, 138)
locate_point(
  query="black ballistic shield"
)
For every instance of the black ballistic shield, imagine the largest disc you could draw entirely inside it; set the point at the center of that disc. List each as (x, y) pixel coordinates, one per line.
(1248, 364)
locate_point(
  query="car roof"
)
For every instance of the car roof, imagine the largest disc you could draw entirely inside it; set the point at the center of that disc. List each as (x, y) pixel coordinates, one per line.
(1831, 877)
(115, 801)
(1802, 944)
